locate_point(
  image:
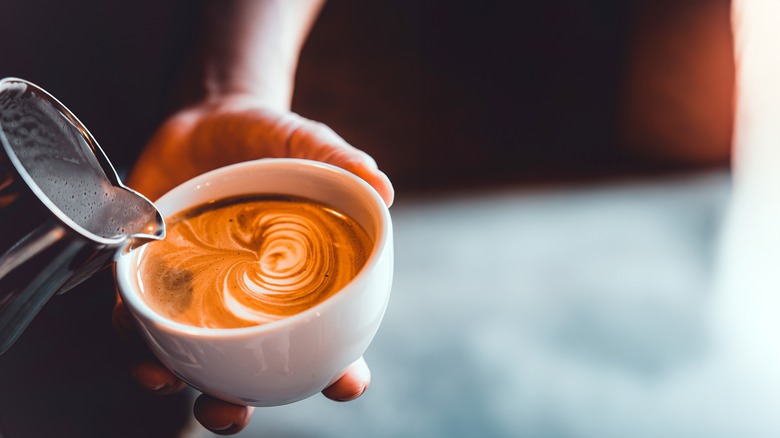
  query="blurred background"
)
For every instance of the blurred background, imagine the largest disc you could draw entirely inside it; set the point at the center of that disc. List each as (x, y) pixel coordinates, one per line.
(562, 169)
(464, 93)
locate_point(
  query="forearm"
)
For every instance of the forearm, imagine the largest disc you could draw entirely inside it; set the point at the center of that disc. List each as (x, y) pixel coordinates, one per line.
(252, 47)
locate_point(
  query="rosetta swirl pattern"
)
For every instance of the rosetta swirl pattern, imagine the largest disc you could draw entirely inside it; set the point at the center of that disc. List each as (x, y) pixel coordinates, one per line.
(250, 263)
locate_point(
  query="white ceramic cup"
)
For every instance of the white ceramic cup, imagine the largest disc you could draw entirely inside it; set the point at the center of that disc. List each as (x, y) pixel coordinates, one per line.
(295, 357)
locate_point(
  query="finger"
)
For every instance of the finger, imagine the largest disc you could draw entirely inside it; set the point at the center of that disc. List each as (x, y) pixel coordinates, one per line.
(123, 323)
(352, 385)
(375, 178)
(221, 417)
(148, 372)
(316, 141)
(156, 378)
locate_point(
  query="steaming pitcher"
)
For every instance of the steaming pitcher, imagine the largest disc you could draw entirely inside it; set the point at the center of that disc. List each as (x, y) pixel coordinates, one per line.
(64, 213)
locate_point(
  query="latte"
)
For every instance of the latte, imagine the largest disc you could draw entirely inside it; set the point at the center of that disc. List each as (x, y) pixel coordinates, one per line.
(250, 260)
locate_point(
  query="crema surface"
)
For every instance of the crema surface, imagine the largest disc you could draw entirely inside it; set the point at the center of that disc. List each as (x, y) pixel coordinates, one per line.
(249, 261)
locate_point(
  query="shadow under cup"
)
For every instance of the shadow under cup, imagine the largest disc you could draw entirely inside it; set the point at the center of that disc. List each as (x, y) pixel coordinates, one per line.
(293, 358)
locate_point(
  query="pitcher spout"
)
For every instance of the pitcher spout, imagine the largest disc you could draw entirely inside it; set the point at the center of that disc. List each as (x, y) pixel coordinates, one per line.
(145, 225)
(65, 214)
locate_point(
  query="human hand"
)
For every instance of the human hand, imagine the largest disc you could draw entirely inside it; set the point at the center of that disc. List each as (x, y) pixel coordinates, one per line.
(239, 128)
(221, 132)
(218, 416)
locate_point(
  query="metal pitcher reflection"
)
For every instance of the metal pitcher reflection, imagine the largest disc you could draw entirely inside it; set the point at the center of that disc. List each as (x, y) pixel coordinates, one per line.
(64, 213)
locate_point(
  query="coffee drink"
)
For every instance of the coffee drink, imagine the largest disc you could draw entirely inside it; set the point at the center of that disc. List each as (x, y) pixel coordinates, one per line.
(250, 260)
(260, 263)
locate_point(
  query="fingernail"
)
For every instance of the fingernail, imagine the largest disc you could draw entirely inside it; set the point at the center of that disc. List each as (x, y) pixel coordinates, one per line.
(355, 395)
(146, 385)
(222, 428)
(157, 387)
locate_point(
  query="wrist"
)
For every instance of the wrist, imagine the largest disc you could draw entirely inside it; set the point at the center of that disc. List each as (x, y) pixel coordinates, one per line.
(273, 87)
(252, 47)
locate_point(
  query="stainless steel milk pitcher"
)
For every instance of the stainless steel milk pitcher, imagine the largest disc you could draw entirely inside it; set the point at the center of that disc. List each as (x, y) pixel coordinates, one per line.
(64, 214)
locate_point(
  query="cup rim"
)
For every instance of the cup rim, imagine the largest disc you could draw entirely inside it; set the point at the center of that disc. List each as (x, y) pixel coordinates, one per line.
(124, 268)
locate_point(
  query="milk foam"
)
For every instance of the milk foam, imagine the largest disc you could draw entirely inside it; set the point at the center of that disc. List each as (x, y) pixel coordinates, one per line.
(251, 262)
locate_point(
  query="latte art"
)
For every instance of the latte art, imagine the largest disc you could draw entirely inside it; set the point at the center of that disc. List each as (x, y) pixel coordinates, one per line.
(249, 261)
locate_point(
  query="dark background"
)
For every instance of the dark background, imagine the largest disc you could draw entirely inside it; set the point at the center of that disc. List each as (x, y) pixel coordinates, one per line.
(444, 94)
(464, 93)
